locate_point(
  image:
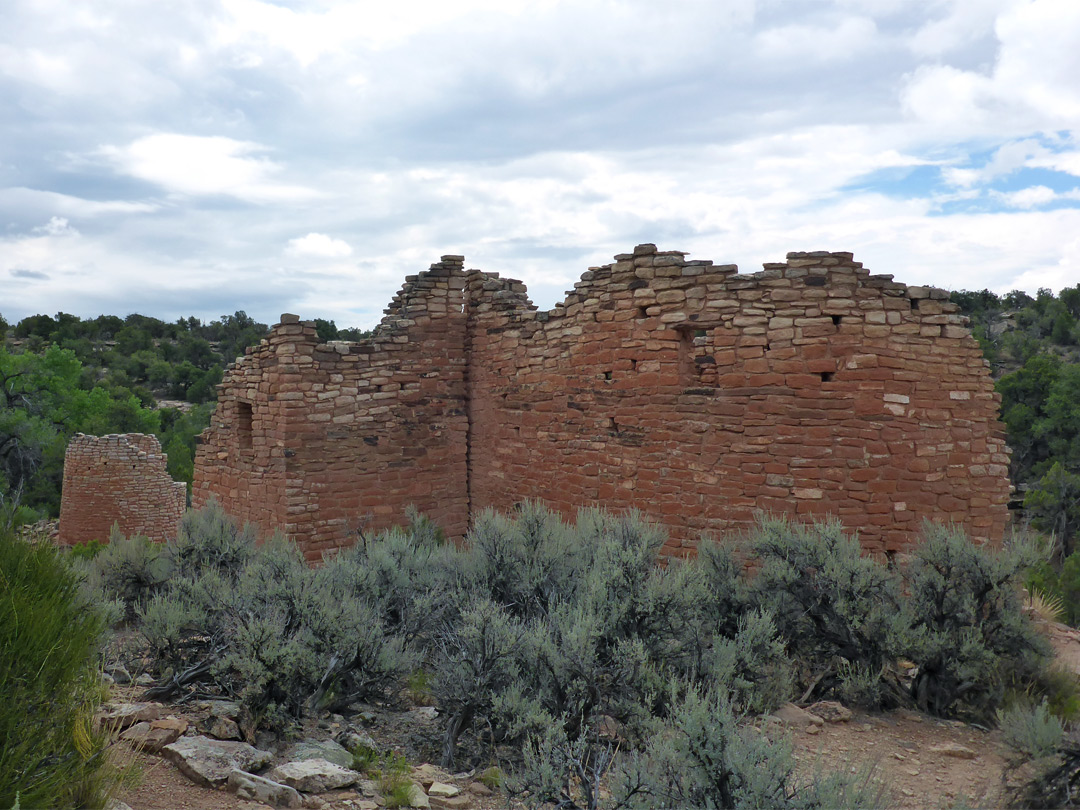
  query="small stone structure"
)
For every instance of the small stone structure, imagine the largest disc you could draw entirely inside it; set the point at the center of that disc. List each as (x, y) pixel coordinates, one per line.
(680, 388)
(118, 479)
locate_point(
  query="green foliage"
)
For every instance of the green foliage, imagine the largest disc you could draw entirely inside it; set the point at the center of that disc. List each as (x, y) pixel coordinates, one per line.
(707, 757)
(50, 753)
(258, 623)
(970, 639)
(1054, 504)
(1031, 730)
(392, 777)
(835, 608)
(208, 539)
(132, 569)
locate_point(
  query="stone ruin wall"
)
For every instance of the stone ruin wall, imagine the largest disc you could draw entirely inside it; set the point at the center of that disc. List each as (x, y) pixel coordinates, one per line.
(118, 479)
(680, 388)
(325, 440)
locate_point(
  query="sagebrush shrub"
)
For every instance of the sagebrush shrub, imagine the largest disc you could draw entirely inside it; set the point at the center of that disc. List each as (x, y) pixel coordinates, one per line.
(209, 539)
(969, 637)
(132, 569)
(1031, 730)
(835, 608)
(707, 757)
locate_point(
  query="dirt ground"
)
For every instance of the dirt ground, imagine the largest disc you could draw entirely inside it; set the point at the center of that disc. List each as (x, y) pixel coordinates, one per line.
(899, 745)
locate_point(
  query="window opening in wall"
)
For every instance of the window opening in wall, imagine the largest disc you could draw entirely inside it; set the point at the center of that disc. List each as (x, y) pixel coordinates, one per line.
(643, 312)
(914, 303)
(607, 375)
(245, 415)
(826, 376)
(836, 320)
(700, 333)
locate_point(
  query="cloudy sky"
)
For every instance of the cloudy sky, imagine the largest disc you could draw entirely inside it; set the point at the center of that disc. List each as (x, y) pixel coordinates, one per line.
(206, 156)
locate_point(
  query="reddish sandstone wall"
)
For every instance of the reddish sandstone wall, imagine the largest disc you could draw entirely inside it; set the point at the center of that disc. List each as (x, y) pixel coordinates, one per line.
(698, 396)
(345, 436)
(118, 479)
(686, 390)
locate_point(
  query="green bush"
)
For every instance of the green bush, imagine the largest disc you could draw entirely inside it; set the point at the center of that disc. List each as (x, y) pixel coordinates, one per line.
(132, 569)
(210, 539)
(707, 757)
(1031, 730)
(50, 684)
(970, 639)
(836, 609)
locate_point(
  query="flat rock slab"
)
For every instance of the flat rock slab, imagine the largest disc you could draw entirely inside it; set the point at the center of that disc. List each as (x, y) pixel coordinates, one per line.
(122, 715)
(209, 762)
(261, 789)
(953, 750)
(314, 775)
(322, 749)
(451, 802)
(442, 790)
(152, 737)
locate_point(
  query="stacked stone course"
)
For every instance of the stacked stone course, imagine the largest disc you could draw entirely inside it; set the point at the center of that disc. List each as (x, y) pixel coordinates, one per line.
(680, 388)
(119, 479)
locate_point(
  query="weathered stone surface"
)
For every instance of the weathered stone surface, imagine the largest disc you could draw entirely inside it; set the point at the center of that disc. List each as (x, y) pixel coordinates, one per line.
(479, 789)
(417, 797)
(814, 389)
(221, 728)
(443, 790)
(953, 750)
(322, 749)
(352, 739)
(118, 479)
(791, 715)
(427, 774)
(313, 775)
(122, 715)
(461, 802)
(209, 762)
(260, 789)
(222, 708)
(830, 711)
(152, 737)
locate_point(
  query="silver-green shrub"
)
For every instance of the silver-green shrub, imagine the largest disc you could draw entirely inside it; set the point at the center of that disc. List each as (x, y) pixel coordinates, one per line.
(835, 607)
(1031, 730)
(707, 756)
(969, 637)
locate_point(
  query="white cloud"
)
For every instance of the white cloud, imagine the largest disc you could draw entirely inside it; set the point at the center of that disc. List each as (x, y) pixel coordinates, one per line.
(197, 165)
(1033, 196)
(1032, 85)
(318, 245)
(56, 226)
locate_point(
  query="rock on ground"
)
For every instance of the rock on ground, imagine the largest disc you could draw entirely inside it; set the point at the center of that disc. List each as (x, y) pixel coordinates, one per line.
(154, 736)
(830, 711)
(791, 715)
(209, 762)
(122, 715)
(322, 749)
(417, 797)
(952, 749)
(314, 775)
(261, 789)
(443, 790)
